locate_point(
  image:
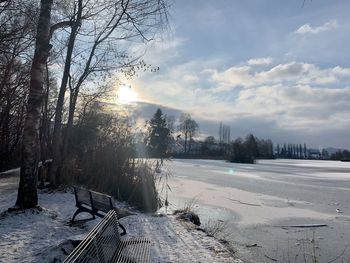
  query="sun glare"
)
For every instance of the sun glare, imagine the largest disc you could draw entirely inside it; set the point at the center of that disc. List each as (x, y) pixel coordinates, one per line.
(126, 94)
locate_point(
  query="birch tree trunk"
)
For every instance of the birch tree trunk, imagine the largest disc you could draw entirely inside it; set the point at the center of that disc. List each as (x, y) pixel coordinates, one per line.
(27, 191)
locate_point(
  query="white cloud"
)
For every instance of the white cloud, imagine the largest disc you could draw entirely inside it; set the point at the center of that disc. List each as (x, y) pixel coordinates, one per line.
(288, 73)
(233, 77)
(302, 106)
(341, 71)
(307, 29)
(294, 96)
(259, 61)
(190, 78)
(159, 52)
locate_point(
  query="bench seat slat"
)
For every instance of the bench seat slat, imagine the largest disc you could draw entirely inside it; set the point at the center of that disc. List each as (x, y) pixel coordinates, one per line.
(134, 250)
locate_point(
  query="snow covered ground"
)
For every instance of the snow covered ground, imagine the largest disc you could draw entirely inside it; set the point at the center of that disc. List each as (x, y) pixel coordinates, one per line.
(45, 235)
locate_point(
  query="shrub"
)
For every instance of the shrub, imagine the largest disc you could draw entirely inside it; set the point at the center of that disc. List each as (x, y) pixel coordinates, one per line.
(102, 158)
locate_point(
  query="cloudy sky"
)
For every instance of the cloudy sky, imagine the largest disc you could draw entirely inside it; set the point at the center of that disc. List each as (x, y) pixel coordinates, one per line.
(273, 68)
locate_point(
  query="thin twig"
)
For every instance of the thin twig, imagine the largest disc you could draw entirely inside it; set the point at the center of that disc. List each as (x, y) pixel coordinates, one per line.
(305, 226)
(302, 6)
(243, 203)
(340, 255)
(273, 259)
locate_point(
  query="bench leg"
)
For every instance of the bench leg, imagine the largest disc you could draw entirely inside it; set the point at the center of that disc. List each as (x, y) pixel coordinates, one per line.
(123, 228)
(79, 210)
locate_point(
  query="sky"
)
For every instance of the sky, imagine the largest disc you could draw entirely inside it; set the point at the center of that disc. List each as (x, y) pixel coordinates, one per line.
(277, 69)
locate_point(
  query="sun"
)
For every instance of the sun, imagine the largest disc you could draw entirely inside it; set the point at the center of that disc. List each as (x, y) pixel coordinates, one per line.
(126, 94)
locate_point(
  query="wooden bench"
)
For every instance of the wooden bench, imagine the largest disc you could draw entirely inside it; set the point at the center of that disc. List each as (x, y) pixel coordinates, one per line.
(104, 244)
(96, 204)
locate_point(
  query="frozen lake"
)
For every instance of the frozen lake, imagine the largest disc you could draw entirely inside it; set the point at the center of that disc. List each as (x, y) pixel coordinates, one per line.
(259, 202)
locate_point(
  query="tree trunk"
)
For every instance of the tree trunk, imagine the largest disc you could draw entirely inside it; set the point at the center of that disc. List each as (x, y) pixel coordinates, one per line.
(57, 133)
(45, 121)
(44, 130)
(72, 105)
(27, 191)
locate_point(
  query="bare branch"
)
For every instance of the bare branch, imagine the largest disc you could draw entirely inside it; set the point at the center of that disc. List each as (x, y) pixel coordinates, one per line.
(60, 25)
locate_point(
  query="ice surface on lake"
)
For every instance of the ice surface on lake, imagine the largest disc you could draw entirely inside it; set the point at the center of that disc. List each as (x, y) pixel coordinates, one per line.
(254, 199)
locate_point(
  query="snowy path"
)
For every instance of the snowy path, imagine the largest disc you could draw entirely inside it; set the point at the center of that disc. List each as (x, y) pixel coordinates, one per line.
(175, 241)
(44, 236)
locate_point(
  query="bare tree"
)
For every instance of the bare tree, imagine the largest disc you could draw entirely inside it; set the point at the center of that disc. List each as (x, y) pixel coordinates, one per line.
(189, 128)
(224, 134)
(27, 190)
(17, 28)
(48, 112)
(89, 97)
(56, 138)
(105, 28)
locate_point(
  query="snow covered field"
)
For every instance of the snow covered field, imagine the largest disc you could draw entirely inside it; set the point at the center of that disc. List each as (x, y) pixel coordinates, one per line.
(45, 235)
(257, 203)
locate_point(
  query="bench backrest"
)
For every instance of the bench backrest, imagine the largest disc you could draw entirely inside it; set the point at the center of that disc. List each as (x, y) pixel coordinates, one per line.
(97, 201)
(101, 202)
(101, 243)
(82, 196)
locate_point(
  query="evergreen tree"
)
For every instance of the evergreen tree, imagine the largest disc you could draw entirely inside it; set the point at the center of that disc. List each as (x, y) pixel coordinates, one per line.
(158, 137)
(251, 148)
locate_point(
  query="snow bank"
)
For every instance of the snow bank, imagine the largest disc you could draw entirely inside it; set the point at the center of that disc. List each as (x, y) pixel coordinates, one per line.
(45, 235)
(27, 236)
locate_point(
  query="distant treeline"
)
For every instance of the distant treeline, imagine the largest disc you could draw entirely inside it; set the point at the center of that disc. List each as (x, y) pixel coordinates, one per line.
(299, 151)
(240, 150)
(341, 155)
(166, 139)
(292, 151)
(250, 149)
